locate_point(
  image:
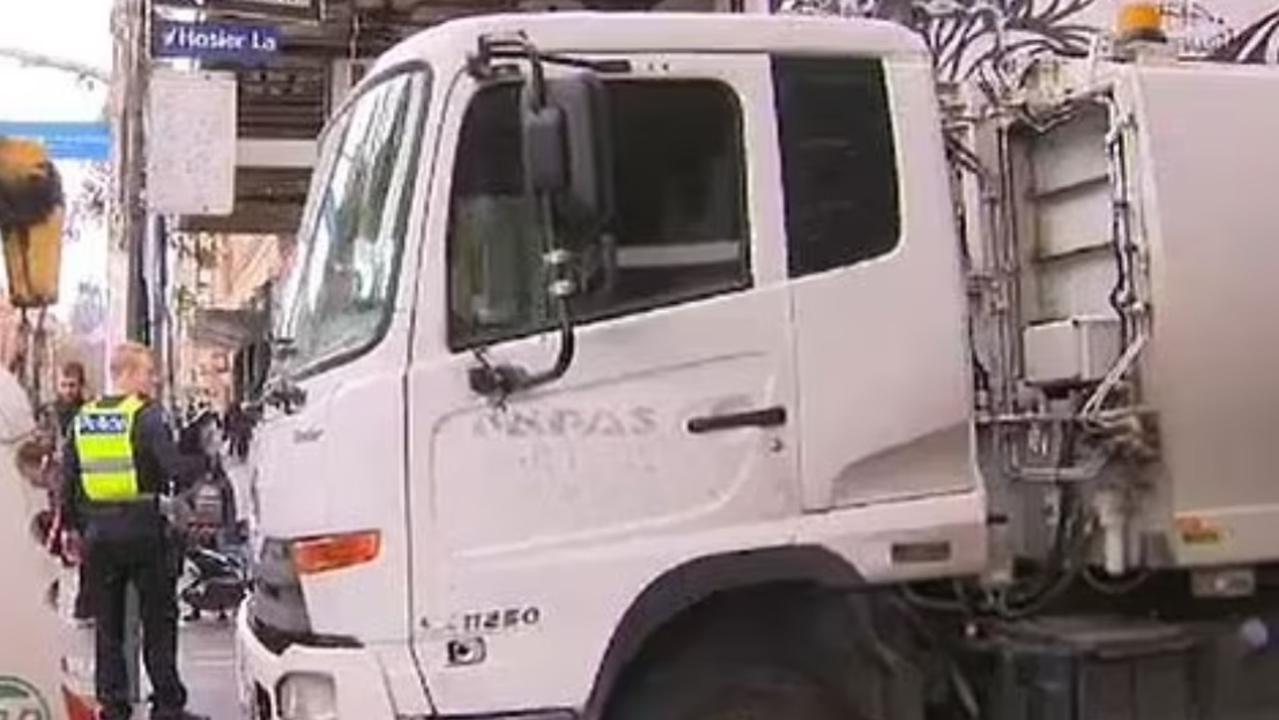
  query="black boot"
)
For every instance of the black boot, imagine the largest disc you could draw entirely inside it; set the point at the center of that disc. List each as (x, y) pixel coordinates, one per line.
(116, 712)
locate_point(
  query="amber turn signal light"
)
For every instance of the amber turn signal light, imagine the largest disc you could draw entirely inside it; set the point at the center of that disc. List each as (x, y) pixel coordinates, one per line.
(321, 554)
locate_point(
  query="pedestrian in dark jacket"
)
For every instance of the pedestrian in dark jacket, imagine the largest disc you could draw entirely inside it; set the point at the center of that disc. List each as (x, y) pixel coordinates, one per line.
(70, 398)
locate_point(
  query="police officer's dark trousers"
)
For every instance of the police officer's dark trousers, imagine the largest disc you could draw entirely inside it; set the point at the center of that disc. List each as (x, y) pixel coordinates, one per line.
(127, 544)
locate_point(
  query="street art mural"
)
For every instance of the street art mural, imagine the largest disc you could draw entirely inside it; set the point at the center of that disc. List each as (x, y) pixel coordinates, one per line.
(971, 37)
(1257, 43)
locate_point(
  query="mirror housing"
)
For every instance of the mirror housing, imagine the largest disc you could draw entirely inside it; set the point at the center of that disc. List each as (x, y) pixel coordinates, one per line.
(568, 151)
(545, 141)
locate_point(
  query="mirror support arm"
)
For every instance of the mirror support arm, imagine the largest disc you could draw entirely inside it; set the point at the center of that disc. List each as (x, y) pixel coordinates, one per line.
(498, 382)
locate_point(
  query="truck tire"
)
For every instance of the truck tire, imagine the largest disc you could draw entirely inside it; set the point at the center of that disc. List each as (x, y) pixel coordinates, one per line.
(756, 691)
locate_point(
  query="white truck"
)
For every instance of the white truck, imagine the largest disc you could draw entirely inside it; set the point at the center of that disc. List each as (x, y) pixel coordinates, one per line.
(695, 367)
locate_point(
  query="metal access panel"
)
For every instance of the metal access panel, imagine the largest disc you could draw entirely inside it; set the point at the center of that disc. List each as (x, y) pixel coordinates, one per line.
(1066, 210)
(1081, 349)
(1208, 161)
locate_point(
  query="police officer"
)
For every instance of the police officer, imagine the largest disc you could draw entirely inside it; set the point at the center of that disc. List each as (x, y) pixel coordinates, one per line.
(120, 459)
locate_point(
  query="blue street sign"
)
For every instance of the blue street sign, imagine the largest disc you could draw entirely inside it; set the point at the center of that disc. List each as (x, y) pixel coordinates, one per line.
(216, 41)
(65, 140)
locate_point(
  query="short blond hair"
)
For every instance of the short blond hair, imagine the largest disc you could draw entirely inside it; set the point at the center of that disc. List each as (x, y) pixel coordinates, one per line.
(127, 356)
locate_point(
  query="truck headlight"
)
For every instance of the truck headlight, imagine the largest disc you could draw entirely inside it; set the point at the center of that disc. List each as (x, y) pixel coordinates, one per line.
(307, 696)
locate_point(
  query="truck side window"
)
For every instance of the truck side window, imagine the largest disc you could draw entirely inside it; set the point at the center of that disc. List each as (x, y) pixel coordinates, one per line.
(838, 162)
(680, 223)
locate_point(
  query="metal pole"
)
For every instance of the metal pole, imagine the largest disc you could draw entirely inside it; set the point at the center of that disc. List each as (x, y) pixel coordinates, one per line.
(129, 216)
(161, 317)
(129, 91)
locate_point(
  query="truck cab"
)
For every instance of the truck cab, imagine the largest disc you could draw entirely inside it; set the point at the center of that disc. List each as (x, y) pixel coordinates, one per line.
(600, 325)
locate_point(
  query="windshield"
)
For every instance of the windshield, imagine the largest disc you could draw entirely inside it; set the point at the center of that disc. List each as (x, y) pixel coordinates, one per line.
(339, 284)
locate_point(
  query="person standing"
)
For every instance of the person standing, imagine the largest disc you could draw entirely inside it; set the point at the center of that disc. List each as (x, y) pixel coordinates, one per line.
(120, 460)
(71, 394)
(66, 405)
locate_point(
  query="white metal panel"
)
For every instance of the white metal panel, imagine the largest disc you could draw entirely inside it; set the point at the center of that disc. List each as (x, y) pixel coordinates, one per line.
(1067, 199)
(1210, 156)
(1071, 153)
(1074, 286)
(1073, 221)
(275, 153)
(881, 350)
(1079, 349)
(191, 151)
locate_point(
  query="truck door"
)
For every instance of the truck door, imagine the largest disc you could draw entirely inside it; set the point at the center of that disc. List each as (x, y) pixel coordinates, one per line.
(873, 257)
(675, 419)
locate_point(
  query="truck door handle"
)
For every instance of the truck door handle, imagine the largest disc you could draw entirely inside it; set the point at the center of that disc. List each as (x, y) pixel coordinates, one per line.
(768, 417)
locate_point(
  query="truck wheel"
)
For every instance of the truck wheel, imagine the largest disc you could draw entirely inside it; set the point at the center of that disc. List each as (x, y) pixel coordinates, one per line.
(727, 692)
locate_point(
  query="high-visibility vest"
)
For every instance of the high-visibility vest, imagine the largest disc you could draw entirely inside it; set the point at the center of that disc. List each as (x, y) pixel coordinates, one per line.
(104, 443)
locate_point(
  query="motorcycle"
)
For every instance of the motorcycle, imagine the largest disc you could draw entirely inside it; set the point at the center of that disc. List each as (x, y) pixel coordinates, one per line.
(214, 579)
(214, 582)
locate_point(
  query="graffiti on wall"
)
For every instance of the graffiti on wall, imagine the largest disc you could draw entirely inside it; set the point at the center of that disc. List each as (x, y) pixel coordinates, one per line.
(969, 37)
(1256, 43)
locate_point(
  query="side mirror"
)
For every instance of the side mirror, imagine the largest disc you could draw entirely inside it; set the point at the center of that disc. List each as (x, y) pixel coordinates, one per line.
(568, 175)
(568, 152)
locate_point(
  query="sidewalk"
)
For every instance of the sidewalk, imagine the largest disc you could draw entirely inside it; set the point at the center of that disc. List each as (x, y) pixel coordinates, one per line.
(207, 663)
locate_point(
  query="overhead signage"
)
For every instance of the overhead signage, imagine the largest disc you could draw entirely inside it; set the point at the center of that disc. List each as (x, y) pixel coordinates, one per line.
(191, 143)
(309, 9)
(65, 140)
(234, 42)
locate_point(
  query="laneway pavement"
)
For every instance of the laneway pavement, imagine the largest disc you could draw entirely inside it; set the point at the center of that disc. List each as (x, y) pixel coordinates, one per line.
(207, 662)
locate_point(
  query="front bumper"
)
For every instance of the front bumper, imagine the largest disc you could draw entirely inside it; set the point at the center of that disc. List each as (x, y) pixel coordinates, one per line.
(361, 691)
